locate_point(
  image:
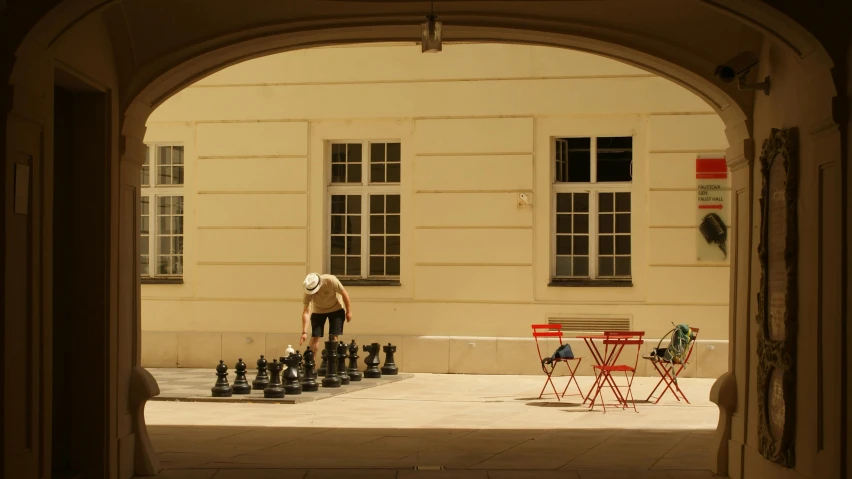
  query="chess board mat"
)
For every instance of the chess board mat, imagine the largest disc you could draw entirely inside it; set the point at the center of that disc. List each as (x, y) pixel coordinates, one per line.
(193, 385)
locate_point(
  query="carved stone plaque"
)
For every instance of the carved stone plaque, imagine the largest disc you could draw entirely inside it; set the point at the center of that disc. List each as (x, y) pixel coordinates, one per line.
(777, 301)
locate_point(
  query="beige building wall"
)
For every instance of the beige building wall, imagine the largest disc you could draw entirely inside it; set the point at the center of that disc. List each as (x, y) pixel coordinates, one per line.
(476, 125)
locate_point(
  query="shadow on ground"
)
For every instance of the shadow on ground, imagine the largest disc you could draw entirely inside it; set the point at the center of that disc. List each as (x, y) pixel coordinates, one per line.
(202, 452)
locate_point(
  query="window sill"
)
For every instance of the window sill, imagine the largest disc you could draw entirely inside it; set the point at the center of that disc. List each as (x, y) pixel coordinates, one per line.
(370, 282)
(162, 280)
(591, 283)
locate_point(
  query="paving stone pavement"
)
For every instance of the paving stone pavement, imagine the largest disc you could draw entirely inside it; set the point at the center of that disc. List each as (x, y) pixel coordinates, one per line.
(476, 427)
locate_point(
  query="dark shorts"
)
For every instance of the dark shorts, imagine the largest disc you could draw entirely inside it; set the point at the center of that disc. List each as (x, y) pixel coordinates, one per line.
(335, 323)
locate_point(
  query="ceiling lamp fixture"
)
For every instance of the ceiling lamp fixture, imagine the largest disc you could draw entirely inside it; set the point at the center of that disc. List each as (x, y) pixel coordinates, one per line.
(431, 33)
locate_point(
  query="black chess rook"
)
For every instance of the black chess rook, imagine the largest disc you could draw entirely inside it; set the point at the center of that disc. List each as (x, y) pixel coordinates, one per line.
(372, 361)
(221, 389)
(291, 375)
(273, 389)
(309, 379)
(353, 372)
(241, 386)
(341, 363)
(331, 379)
(389, 368)
(262, 379)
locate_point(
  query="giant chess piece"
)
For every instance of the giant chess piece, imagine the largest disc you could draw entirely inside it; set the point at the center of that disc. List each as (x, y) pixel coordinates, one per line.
(289, 351)
(341, 363)
(241, 386)
(309, 379)
(291, 375)
(324, 364)
(221, 389)
(390, 367)
(372, 361)
(299, 369)
(331, 379)
(262, 379)
(353, 372)
(274, 389)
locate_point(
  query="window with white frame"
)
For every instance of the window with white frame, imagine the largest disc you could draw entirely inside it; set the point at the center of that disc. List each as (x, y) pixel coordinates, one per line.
(162, 211)
(364, 210)
(592, 208)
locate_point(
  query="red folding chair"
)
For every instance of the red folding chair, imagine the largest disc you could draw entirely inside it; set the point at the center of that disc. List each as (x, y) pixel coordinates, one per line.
(555, 331)
(665, 368)
(617, 340)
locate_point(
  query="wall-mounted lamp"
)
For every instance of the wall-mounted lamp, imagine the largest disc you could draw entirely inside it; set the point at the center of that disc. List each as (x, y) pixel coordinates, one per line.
(431, 33)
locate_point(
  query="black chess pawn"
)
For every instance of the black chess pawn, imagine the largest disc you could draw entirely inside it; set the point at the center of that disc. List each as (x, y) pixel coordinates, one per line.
(309, 379)
(300, 371)
(331, 379)
(262, 379)
(324, 364)
(354, 373)
(341, 363)
(390, 366)
(291, 375)
(372, 361)
(274, 389)
(221, 389)
(241, 386)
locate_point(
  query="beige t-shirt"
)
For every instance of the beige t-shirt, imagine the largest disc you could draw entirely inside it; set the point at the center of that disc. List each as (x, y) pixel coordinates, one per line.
(327, 299)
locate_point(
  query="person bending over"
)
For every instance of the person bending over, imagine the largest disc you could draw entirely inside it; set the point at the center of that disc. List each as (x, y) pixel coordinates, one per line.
(322, 301)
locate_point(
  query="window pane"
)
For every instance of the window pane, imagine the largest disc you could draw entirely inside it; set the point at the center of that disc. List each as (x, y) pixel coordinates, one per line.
(353, 173)
(337, 225)
(605, 245)
(377, 173)
(353, 204)
(581, 224)
(377, 203)
(177, 175)
(144, 246)
(163, 265)
(338, 173)
(145, 205)
(165, 225)
(338, 267)
(353, 153)
(605, 224)
(563, 266)
(377, 152)
(393, 173)
(579, 143)
(622, 266)
(563, 223)
(581, 266)
(622, 202)
(606, 202)
(144, 266)
(146, 176)
(392, 266)
(177, 245)
(614, 155)
(353, 225)
(622, 245)
(393, 203)
(392, 244)
(338, 153)
(563, 245)
(377, 224)
(392, 224)
(337, 244)
(177, 225)
(377, 266)
(165, 245)
(164, 156)
(177, 155)
(144, 226)
(353, 245)
(606, 267)
(563, 202)
(177, 205)
(377, 245)
(581, 245)
(353, 265)
(581, 202)
(622, 223)
(394, 152)
(165, 175)
(338, 204)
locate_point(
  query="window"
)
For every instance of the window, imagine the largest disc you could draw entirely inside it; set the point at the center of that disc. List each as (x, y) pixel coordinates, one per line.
(364, 222)
(162, 212)
(592, 198)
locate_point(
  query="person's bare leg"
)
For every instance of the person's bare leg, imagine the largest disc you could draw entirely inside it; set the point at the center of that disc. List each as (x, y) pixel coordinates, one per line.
(315, 346)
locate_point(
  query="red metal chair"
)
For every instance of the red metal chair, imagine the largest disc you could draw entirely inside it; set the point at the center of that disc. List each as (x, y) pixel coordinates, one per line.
(617, 340)
(555, 331)
(665, 368)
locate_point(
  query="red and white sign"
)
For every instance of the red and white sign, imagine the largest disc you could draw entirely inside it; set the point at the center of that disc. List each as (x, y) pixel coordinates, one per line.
(711, 175)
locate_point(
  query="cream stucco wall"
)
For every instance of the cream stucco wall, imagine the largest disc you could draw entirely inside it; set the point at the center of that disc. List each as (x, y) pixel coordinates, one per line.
(476, 124)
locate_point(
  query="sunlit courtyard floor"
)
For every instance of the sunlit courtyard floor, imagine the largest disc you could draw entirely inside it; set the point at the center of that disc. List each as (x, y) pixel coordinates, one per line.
(472, 426)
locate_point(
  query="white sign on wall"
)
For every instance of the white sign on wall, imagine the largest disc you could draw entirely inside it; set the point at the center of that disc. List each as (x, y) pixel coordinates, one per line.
(712, 213)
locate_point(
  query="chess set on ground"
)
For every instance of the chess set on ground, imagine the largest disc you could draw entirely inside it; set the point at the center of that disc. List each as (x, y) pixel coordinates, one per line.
(301, 373)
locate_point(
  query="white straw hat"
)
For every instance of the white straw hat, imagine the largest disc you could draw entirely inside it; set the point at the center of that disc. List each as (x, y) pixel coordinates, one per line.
(312, 283)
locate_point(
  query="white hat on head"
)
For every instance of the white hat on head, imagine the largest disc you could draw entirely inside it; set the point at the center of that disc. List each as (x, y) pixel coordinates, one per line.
(312, 283)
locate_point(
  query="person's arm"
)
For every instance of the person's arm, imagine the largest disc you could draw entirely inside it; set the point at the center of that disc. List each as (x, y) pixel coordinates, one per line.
(306, 320)
(346, 304)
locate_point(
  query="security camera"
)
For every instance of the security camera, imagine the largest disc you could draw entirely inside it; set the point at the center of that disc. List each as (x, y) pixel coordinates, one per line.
(738, 68)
